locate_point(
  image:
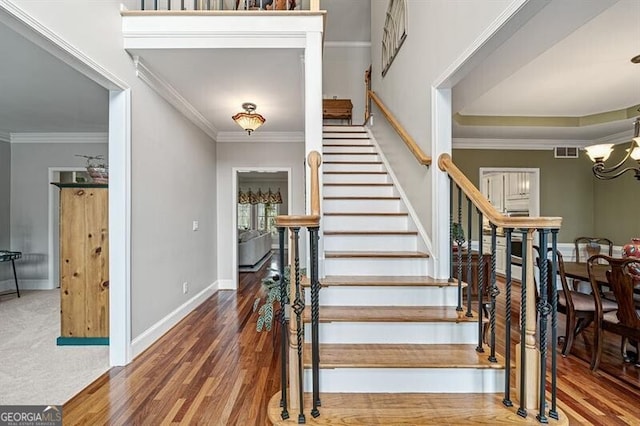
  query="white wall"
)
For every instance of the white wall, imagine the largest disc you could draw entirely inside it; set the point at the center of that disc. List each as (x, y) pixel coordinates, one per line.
(252, 155)
(172, 167)
(343, 68)
(5, 193)
(30, 186)
(438, 33)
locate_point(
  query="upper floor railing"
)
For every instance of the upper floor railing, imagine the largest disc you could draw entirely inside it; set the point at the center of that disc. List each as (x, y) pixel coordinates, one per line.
(230, 5)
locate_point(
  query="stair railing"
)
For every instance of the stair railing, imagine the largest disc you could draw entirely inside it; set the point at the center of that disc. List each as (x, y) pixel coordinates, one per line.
(531, 366)
(292, 360)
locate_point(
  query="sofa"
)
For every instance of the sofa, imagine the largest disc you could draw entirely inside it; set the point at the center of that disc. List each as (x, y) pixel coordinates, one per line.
(253, 245)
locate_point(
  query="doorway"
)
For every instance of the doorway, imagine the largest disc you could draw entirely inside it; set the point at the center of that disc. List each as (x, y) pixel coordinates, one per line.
(258, 196)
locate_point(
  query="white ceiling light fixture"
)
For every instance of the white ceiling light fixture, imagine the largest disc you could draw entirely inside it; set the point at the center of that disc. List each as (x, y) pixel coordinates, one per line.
(249, 120)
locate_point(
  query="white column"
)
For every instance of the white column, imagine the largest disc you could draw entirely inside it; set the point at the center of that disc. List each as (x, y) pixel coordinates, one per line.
(441, 137)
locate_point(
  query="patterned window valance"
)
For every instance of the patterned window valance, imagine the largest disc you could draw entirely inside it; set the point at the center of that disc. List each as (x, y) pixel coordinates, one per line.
(250, 197)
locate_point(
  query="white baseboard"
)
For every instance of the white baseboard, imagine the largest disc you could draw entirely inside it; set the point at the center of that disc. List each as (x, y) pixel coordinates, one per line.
(153, 333)
(10, 284)
(226, 285)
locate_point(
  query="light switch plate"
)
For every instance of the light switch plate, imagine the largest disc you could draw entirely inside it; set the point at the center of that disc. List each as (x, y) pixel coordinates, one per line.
(196, 225)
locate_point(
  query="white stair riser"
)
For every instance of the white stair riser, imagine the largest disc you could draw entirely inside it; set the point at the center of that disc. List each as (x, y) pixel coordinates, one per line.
(359, 206)
(353, 167)
(365, 223)
(376, 266)
(386, 296)
(329, 128)
(350, 157)
(358, 191)
(346, 137)
(371, 242)
(396, 332)
(331, 149)
(355, 178)
(408, 380)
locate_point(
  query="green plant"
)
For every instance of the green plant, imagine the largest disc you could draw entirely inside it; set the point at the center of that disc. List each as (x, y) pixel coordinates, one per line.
(271, 288)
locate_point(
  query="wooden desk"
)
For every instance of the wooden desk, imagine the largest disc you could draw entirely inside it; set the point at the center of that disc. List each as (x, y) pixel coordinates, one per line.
(337, 109)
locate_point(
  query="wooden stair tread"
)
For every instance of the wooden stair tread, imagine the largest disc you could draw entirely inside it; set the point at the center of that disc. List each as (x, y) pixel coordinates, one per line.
(370, 232)
(404, 409)
(390, 314)
(366, 197)
(350, 153)
(365, 214)
(358, 184)
(376, 254)
(385, 281)
(354, 172)
(348, 355)
(352, 162)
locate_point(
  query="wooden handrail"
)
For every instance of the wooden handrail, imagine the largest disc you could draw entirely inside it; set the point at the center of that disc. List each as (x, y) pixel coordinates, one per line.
(313, 161)
(422, 158)
(480, 201)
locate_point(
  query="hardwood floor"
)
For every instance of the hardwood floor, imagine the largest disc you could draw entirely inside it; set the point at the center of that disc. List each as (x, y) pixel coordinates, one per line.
(215, 369)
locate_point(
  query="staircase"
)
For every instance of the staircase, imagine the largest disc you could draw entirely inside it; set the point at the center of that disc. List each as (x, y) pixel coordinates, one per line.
(392, 344)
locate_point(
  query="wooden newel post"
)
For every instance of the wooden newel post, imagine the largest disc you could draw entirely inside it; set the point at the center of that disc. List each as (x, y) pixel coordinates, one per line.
(314, 160)
(528, 337)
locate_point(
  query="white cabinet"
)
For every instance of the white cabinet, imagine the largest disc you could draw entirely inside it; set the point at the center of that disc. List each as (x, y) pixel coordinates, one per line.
(517, 185)
(494, 190)
(501, 252)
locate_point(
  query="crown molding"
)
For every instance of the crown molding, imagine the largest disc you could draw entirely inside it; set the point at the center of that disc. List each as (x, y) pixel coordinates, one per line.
(171, 95)
(34, 31)
(60, 137)
(257, 136)
(516, 144)
(5, 136)
(347, 44)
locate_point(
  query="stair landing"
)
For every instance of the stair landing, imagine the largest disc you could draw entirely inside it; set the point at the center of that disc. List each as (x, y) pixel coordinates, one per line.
(339, 409)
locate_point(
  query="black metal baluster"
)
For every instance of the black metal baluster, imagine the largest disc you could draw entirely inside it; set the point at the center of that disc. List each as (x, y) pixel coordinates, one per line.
(451, 228)
(469, 257)
(522, 410)
(284, 301)
(155, 4)
(553, 412)
(543, 313)
(480, 267)
(182, 5)
(298, 308)
(507, 338)
(141, 4)
(315, 319)
(493, 293)
(459, 241)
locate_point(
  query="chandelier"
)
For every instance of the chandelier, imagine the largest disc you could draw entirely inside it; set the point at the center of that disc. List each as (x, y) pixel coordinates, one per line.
(600, 153)
(249, 120)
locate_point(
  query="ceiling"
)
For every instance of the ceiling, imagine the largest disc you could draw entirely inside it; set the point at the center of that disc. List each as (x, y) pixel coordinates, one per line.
(570, 62)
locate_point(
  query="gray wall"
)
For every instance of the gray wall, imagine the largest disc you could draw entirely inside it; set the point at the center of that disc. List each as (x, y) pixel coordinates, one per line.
(173, 169)
(30, 198)
(568, 189)
(5, 202)
(439, 31)
(252, 155)
(343, 70)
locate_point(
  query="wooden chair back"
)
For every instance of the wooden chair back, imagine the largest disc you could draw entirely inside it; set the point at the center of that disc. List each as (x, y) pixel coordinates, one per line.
(593, 246)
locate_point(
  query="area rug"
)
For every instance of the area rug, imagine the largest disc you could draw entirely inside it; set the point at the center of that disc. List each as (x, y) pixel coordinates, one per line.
(33, 369)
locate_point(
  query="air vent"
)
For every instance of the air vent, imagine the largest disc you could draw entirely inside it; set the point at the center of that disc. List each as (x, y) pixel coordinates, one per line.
(566, 152)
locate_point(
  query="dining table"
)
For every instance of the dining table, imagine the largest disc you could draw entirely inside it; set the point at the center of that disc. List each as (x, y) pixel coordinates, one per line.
(579, 271)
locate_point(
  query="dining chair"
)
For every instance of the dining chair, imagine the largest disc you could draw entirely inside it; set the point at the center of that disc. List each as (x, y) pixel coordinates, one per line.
(592, 246)
(579, 308)
(625, 321)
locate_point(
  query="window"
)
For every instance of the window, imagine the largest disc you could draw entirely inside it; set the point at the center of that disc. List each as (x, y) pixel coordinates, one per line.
(244, 216)
(267, 217)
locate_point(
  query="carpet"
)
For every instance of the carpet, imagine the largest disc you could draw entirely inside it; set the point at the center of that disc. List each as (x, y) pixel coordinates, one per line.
(33, 369)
